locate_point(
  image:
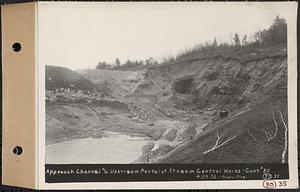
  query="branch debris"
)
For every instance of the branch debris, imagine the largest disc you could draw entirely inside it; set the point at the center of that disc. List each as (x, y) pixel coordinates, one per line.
(219, 144)
(276, 129)
(283, 156)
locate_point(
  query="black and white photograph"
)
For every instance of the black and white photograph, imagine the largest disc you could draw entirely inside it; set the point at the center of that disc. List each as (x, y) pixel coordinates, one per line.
(149, 95)
(161, 84)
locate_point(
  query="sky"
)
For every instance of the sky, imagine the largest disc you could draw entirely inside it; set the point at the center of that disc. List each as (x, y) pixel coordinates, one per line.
(79, 35)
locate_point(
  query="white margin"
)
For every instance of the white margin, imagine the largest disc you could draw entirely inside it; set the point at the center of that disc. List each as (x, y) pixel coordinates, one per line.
(237, 184)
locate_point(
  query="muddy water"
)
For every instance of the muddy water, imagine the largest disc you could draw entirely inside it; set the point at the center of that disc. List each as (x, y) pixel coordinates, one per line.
(113, 148)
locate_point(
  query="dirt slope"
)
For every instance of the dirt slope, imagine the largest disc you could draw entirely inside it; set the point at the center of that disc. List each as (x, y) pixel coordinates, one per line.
(218, 80)
(251, 87)
(222, 107)
(255, 136)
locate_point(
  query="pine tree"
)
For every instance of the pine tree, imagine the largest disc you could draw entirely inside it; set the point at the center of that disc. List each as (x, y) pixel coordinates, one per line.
(236, 40)
(215, 43)
(244, 41)
(117, 63)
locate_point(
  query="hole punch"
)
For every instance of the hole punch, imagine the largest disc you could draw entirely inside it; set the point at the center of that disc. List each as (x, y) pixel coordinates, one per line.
(18, 150)
(16, 47)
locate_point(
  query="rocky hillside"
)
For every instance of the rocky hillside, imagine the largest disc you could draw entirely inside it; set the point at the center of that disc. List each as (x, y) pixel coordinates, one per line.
(220, 80)
(245, 95)
(225, 106)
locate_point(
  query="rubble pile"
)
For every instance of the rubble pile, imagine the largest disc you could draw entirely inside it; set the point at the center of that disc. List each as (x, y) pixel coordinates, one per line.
(185, 114)
(68, 95)
(161, 109)
(139, 114)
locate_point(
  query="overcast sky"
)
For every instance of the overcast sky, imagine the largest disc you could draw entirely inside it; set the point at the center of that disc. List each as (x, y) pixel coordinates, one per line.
(78, 35)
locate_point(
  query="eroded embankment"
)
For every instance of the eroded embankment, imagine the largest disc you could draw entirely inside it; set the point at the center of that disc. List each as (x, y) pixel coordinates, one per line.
(255, 136)
(217, 81)
(69, 120)
(213, 109)
(252, 92)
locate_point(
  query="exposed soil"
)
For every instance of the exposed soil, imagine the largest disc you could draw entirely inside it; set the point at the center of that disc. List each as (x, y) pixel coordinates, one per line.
(214, 108)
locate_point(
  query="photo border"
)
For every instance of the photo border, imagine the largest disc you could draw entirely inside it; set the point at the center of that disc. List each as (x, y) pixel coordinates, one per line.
(246, 184)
